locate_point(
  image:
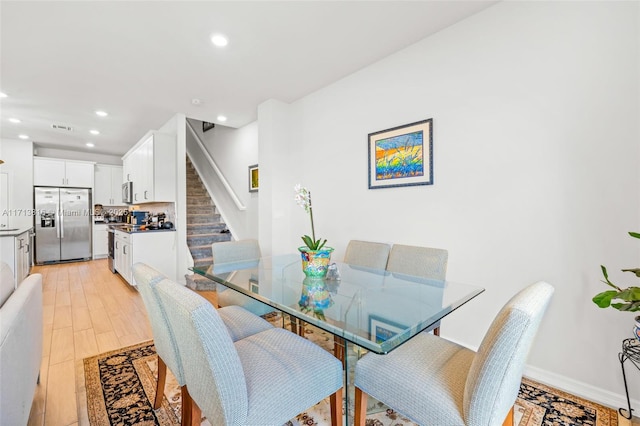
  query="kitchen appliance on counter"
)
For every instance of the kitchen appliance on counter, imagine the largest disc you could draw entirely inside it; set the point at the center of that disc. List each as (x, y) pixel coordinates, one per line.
(139, 217)
(62, 224)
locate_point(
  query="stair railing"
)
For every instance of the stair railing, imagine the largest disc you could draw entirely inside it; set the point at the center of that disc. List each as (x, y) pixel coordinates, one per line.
(216, 169)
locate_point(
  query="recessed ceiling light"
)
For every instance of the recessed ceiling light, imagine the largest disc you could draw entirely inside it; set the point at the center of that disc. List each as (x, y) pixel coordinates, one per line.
(3, 95)
(94, 132)
(14, 120)
(222, 118)
(219, 40)
(101, 113)
(23, 136)
(90, 145)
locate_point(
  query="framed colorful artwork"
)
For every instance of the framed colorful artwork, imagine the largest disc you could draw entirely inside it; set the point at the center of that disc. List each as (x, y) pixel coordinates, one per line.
(401, 156)
(381, 329)
(253, 178)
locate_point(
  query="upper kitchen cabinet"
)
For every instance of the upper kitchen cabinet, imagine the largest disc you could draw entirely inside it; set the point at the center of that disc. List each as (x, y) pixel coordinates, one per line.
(108, 185)
(151, 166)
(68, 173)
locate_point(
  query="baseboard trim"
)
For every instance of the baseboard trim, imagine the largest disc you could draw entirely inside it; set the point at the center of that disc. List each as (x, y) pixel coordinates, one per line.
(575, 387)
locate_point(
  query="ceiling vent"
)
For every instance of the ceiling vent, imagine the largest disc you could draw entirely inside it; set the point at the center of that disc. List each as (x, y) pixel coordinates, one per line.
(62, 127)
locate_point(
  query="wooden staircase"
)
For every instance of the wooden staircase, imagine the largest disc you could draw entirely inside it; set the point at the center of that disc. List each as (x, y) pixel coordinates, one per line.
(204, 227)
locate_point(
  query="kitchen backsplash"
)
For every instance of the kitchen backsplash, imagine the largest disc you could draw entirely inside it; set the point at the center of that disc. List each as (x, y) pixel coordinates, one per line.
(155, 208)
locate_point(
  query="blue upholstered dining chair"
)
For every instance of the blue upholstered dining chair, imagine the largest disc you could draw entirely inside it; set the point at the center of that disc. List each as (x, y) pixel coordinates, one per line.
(425, 262)
(229, 253)
(264, 379)
(239, 323)
(367, 254)
(436, 382)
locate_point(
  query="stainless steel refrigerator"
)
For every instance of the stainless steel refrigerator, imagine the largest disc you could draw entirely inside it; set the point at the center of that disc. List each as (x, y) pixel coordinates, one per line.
(63, 224)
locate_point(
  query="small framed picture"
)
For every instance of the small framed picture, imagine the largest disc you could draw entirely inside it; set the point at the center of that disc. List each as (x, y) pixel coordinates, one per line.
(381, 329)
(253, 178)
(254, 286)
(207, 126)
(401, 156)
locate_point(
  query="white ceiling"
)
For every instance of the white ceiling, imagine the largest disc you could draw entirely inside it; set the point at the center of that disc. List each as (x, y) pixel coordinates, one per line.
(143, 62)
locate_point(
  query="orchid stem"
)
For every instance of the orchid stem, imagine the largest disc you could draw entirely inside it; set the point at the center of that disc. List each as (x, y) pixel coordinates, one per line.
(313, 231)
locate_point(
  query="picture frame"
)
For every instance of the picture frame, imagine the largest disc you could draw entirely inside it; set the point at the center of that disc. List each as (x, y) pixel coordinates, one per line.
(381, 329)
(401, 156)
(207, 126)
(253, 178)
(254, 286)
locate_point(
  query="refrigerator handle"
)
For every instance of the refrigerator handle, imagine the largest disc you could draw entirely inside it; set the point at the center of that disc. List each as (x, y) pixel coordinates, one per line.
(58, 226)
(61, 222)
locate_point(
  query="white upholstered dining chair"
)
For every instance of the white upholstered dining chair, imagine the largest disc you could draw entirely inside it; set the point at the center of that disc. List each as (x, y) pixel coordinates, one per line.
(367, 254)
(264, 379)
(239, 323)
(237, 252)
(424, 262)
(436, 382)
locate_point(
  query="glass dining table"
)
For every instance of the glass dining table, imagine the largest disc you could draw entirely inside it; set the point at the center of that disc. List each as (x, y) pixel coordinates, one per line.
(364, 309)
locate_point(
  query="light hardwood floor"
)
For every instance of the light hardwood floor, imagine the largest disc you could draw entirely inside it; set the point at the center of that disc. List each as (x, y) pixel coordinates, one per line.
(87, 310)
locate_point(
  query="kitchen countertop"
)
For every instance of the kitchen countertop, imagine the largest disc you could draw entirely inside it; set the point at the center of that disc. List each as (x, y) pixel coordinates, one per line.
(135, 229)
(14, 232)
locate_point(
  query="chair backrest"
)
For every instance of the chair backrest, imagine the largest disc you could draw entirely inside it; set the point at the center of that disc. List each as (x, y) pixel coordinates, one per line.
(212, 367)
(367, 254)
(495, 374)
(164, 340)
(235, 251)
(423, 262)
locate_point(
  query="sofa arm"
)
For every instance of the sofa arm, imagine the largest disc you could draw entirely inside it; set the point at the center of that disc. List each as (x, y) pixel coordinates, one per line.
(20, 350)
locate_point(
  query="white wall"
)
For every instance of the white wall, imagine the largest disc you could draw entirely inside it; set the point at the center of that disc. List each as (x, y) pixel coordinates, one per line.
(18, 164)
(234, 150)
(535, 109)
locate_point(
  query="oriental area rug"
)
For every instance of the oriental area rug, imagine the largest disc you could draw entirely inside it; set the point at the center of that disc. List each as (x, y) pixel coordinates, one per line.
(121, 389)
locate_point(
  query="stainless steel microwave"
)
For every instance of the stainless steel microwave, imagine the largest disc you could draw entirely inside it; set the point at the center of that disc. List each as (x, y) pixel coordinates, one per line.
(127, 192)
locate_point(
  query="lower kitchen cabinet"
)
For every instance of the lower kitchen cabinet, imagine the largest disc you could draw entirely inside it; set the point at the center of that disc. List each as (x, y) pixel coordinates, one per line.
(16, 252)
(100, 240)
(154, 248)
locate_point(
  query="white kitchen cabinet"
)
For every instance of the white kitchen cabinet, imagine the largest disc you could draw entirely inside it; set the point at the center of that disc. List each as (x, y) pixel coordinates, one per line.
(122, 255)
(151, 166)
(154, 248)
(66, 173)
(16, 252)
(108, 185)
(100, 240)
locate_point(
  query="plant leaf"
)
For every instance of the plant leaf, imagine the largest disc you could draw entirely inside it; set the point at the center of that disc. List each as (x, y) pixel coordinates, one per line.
(634, 270)
(308, 241)
(631, 294)
(321, 245)
(603, 300)
(606, 277)
(634, 234)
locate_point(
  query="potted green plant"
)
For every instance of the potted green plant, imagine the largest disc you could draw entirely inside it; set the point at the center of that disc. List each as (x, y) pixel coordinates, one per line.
(622, 299)
(315, 255)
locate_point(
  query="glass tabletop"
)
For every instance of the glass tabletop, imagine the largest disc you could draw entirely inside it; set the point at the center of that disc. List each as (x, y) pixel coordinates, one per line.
(374, 309)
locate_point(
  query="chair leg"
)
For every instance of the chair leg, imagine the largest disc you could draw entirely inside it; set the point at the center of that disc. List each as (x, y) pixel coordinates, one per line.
(436, 331)
(361, 408)
(508, 421)
(162, 378)
(338, 348)
(336, 408)
(191, 414)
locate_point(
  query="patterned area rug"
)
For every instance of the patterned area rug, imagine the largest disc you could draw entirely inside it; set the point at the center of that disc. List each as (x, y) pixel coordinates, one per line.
(121, 389)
